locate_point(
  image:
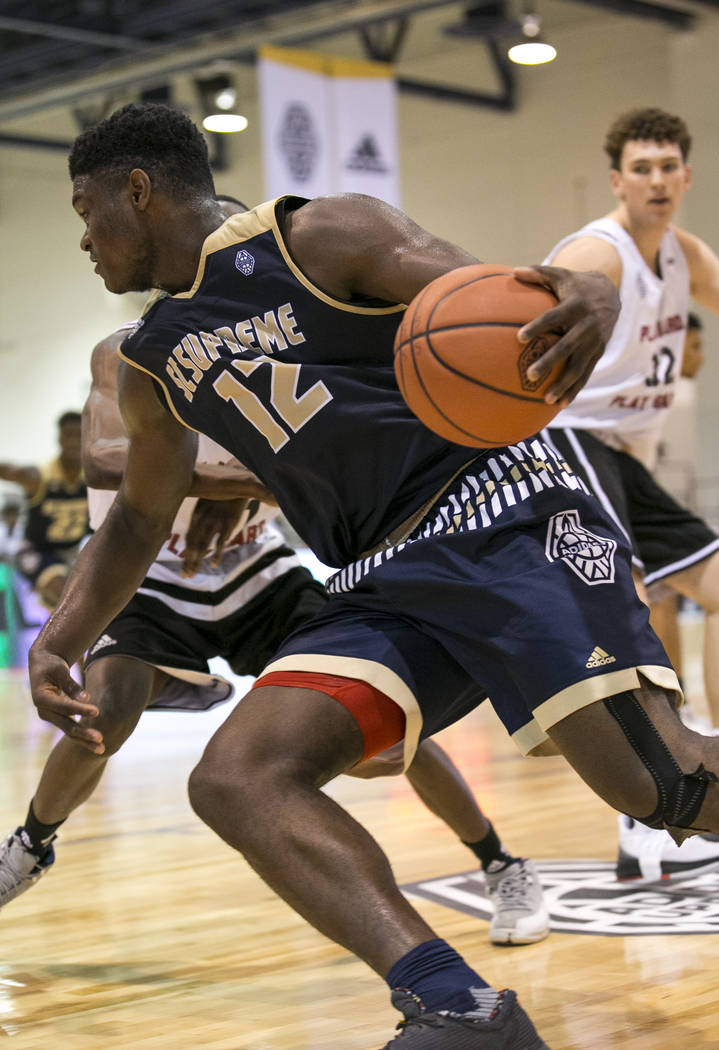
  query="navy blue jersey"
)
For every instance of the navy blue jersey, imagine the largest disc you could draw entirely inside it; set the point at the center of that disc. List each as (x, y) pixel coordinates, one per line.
(299, 386)
(57, 516)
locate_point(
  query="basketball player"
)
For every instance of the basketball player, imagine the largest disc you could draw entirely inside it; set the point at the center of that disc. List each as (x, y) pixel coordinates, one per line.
(240, 605)
(610, 433)
(57, 518)
(275, 338)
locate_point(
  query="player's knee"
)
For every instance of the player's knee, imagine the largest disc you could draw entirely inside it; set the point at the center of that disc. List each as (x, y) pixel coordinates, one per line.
(679, 795)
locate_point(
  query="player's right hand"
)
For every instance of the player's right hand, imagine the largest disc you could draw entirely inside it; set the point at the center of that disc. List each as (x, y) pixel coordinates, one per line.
(59, 699)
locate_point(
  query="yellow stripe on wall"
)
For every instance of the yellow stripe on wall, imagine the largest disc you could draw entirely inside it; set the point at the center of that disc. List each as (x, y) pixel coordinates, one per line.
(329, 65)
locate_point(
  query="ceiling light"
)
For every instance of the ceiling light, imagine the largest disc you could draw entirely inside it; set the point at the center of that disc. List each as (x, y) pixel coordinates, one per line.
(532, 50)
(218, 97)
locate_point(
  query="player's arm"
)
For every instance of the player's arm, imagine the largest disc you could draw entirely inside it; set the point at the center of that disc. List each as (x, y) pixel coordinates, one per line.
(703, 270)
(591, 253)
(28, 478)
(352, 245)
(160, 460)
(105, 442)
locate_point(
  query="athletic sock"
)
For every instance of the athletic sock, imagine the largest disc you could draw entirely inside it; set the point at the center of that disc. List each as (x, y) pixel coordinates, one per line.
(440, 978)
(490, 852)
(36, 835)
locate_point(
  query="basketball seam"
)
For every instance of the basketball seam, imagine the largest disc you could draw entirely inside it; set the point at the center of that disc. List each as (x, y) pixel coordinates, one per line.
(455, 426)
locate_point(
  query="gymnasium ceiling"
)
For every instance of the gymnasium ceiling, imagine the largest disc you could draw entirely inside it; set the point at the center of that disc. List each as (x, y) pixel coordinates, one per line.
(66, 52)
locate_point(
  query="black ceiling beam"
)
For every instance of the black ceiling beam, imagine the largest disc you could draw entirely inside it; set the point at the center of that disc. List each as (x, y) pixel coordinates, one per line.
(33, 27)
(672, 16)
(504, 100)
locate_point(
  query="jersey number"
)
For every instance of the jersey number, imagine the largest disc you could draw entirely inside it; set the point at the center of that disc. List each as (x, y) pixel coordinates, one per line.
(292, 410)
(663, 367)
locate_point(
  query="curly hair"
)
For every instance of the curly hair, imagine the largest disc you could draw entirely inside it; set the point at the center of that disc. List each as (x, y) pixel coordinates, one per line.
(157, 138)
(647, 125)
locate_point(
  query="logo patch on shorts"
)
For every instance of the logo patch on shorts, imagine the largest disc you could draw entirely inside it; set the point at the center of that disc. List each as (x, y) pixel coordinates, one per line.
(590, 556)
(599, 658)
(245, 262)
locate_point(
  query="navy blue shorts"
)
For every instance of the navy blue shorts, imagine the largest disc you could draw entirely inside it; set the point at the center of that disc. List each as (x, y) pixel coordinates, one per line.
(516, 581)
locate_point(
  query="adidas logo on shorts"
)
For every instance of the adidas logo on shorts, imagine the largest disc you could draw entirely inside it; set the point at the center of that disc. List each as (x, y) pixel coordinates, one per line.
(599, 658)
(104, 640)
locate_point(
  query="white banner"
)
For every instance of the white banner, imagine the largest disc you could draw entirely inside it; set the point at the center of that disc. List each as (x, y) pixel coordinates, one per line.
(329, 125)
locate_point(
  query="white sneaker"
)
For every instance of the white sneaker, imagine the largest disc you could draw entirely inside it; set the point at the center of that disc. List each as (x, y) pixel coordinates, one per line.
(520, 914)
(19, 868)
(646, 855)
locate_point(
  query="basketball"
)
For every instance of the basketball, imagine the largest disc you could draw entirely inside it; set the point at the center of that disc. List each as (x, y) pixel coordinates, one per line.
(459, 364)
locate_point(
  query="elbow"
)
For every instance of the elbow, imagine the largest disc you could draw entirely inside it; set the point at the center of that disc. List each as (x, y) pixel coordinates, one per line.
(97, 475)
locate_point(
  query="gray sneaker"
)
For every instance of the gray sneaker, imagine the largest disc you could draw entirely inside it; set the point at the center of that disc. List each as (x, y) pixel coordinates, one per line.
(19, 868)
(520, 914)
(508, 1028)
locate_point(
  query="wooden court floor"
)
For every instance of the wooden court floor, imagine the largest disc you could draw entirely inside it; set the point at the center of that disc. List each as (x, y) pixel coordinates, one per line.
(150, 934)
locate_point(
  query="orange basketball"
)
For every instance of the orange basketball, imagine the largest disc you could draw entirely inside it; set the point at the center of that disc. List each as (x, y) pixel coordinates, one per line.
(459, 364)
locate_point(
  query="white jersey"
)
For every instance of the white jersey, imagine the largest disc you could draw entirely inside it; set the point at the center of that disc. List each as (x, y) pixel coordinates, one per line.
(632, 386)
(255, 556)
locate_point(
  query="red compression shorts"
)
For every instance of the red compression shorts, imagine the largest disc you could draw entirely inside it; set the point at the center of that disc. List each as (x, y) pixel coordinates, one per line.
(380, 719)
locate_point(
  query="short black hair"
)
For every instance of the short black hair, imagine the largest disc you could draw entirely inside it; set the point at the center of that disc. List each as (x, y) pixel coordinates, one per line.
(157, 138)
(69, 417)
(233, 200)
(694, 321)
(645, 125)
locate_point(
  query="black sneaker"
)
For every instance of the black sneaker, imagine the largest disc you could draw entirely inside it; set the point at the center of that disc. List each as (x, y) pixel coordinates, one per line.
(508, 1028)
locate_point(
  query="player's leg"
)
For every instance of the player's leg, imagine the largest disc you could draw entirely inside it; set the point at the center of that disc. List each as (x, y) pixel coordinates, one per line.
(700, 582)
(633, 750)
(259, 786)
(122, 688)
(513, 886)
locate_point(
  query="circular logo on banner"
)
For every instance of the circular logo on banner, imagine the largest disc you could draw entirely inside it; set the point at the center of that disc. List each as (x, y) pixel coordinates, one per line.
(583, 896)
(298, 141)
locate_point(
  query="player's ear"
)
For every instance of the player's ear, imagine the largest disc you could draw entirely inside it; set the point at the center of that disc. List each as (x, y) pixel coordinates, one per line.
(687, 176)
(616, 182)
(140, 188)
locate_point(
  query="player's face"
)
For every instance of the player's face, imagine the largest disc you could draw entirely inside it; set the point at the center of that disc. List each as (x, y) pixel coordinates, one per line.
(114, 236)
(70, 441)
(651, 181)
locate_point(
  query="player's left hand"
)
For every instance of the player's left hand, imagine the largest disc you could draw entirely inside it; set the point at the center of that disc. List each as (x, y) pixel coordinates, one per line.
(213, 523)
(585, 315)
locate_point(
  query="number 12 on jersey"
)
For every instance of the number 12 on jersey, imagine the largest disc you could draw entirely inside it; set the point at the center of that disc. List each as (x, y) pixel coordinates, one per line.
(292, 410)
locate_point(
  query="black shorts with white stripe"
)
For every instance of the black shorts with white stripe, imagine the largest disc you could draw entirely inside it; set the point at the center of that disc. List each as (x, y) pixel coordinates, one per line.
(665, 536)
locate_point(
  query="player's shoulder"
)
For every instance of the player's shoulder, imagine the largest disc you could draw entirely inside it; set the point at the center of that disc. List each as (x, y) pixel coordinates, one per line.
(590, 251)
(694, 247)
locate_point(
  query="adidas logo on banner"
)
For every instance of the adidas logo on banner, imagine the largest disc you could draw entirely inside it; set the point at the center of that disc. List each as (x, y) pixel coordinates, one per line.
(367, 157)
(599, 658)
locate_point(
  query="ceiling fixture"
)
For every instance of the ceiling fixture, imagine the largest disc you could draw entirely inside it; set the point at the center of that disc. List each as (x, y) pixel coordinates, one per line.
(218, 95)
(532, 50)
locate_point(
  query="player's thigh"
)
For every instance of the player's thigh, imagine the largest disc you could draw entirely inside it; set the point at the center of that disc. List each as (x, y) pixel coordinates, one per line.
(283, 732)
(613, 749)
(122, 687)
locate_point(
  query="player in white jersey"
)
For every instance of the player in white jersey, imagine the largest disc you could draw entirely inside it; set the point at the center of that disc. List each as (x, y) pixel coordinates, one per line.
(610, 433)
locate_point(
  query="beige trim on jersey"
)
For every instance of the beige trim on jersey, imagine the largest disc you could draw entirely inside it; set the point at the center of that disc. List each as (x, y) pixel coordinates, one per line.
(262, 219)
(375, 674)
(602, 686)
(166, 392)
